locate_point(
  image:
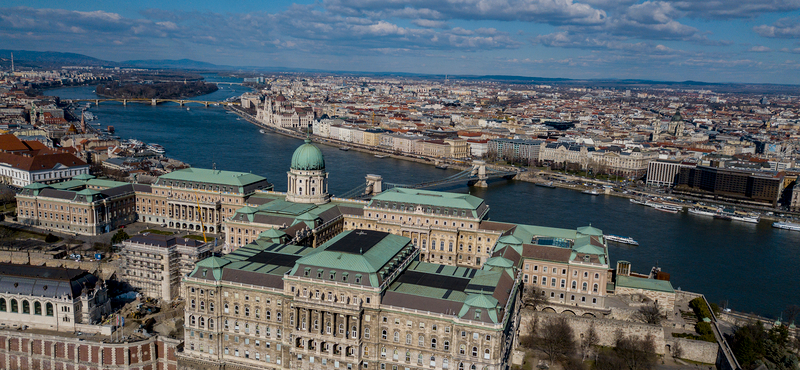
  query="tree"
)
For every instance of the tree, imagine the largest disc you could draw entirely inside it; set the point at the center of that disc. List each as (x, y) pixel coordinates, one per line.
(119, 237)
(6, 196)
(590, 339)
(677, 350)
(635, 353)
(533, 298)
(649, 314)
(556, 339)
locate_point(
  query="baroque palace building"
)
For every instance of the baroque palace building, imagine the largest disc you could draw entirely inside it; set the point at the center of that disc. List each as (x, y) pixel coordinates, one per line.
(384, 289)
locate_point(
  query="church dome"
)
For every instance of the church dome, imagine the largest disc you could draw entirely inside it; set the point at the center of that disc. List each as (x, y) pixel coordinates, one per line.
(677, 117)
(308, 157)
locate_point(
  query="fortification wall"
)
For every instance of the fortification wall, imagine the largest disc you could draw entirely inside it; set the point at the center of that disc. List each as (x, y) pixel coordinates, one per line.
(29, 351)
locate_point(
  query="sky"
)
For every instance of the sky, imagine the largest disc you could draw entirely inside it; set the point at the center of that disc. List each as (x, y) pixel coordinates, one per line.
(753, 41)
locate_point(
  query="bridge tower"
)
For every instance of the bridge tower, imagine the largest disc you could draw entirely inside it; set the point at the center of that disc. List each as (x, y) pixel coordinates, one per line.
(480, 168)
(124, 102)
(374, 185)
(153, 102)
(181, 103)
(97, 102)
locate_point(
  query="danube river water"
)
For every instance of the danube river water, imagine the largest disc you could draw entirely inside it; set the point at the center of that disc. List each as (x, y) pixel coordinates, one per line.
(751, 267)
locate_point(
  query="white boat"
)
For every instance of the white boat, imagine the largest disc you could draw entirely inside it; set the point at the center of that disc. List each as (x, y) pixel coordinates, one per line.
(380, 156)
(262, 131)
(666, 208)
(753, 219)
(637, 201)
(622, 239)
(187, 108)
(591, 192)
(786, 225)
(703, 211)
(156, 148)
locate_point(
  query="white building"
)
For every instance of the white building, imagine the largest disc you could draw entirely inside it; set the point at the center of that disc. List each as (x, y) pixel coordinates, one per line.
(50, 298)
(155, 264)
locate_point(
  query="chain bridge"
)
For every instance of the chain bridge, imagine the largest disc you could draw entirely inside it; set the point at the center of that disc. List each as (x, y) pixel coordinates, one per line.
(478, 176)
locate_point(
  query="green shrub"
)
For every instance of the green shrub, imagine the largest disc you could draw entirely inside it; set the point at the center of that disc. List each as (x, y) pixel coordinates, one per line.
(700, 308)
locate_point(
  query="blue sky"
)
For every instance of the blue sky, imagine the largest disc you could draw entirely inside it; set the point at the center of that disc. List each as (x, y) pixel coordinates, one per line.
(755, 41)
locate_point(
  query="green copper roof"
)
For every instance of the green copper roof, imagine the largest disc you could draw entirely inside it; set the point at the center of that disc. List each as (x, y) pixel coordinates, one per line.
(308, 157)
(481, 301)
(229, 178)
(215, 264)
(646, 284)
(83, 177)
(428, 197)
(88, 192)
(36, 186)
(272, 234)
(589, 230)
(510, 239)
(369, 258)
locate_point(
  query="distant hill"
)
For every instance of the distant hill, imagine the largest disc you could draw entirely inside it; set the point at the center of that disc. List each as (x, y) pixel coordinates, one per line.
(174, 64)
(54, 58)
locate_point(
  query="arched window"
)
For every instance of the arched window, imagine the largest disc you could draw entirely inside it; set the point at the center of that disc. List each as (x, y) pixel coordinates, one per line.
(408, 338)
(202, 305)
(366, 333)
(486, 354)
(226, 308)
(14, 307)
(396, 336)
(192, 303)
(3, 307)
(202, 322)
(210, 306)
(383, 351)
(474, 351)
(48, 309)
(211, 323)
(236, 309)
(461, 366)
(446, 345)
(278, 316)
(433, 342)
(247, 311)
(268, 314)
(421, 341)
(26, 307)
(354, 332)
(192, 320)
(383, 334)
(37, 308)
(594, 288)
(574, 284)
(585, 286)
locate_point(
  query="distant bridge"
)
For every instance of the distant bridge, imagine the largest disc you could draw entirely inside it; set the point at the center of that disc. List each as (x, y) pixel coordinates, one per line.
(478, 175)
(182, 102)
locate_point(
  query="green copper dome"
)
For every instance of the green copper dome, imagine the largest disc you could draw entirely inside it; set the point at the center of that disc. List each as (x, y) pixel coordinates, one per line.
(308, 157)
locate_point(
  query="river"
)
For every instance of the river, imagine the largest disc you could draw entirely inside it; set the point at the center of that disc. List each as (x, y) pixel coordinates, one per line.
(751, 267)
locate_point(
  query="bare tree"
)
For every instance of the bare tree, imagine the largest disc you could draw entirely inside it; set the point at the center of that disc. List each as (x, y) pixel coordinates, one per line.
(677, 350)
(590, 339)
(635, 353)
(649, 314)
(556, 339)
(6, 196)
(533, 298)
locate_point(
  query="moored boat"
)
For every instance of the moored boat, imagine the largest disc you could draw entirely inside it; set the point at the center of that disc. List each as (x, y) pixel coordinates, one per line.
(548, 184)
(344, 148)
(591, 192)
(638, 201)
(786, 226)
(622, 239)
(380, 156)
(666, 208)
